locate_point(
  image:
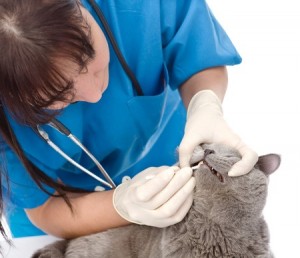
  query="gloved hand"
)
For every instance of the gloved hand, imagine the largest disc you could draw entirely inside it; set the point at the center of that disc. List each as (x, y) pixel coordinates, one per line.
(205, 124)
(157, 197)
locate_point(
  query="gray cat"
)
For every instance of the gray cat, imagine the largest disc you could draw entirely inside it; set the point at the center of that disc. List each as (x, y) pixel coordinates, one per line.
(225, 219)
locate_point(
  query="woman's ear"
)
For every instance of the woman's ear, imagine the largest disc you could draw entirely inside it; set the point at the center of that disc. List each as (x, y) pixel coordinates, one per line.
(268, 163)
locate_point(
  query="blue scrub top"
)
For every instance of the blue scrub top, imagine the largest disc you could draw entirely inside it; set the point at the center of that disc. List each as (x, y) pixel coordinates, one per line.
(164, 43)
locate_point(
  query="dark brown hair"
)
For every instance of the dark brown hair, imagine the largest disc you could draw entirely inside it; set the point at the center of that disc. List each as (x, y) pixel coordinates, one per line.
(35, 34)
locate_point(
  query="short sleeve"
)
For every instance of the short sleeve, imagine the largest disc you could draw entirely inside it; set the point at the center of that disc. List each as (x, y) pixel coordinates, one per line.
(193, 40)
(18, 187)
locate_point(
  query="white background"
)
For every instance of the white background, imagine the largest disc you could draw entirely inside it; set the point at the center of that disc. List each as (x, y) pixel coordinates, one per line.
(262, 105)
(262, 102)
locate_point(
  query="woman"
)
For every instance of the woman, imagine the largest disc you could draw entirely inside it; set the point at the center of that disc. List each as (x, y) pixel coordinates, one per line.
(117, 88)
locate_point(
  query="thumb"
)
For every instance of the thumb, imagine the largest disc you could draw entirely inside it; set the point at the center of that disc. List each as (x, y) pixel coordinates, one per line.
(185, 151)
(245, 165)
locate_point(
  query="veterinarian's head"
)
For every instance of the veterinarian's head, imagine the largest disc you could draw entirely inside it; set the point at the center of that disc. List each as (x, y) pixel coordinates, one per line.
(52, 53)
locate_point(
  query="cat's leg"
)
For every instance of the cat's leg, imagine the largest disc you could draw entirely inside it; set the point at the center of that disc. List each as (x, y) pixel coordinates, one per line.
(134, 241)
(55, 250)
(114, 243)
(268, 255)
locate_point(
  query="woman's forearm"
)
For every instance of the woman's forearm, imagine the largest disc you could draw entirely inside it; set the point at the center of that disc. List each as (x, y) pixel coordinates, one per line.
(92, 212)
(214, 79)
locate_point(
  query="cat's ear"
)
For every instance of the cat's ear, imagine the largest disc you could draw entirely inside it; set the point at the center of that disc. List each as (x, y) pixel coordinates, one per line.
(268, 163)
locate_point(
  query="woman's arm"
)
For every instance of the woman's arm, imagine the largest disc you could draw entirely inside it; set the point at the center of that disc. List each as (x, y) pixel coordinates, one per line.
(202, 94)
(157, 196)
(214, 79)
(92, 212)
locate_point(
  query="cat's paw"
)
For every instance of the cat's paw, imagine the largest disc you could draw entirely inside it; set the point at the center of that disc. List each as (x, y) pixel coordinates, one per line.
(55, 250)
(48, 253)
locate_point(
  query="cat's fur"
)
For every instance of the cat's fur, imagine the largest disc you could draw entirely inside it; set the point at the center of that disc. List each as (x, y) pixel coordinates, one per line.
(225, 219)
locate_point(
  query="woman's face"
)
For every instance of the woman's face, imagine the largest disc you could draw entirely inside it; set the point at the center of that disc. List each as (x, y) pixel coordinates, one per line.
(90, 84)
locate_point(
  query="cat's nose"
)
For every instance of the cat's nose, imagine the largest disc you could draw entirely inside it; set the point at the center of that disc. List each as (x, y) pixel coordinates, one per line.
(208, 151)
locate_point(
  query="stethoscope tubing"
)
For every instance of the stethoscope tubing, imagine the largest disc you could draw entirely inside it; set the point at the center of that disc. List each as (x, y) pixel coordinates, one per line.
(65, 131)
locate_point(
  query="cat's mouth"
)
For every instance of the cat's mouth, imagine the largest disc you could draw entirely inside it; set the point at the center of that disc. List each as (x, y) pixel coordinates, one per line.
(212, 170)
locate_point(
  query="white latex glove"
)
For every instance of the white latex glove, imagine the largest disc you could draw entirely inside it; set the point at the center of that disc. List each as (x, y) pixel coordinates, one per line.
(157, 197)
(205, 124)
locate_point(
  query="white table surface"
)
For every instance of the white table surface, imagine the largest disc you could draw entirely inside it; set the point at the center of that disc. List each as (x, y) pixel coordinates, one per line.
(24, 247)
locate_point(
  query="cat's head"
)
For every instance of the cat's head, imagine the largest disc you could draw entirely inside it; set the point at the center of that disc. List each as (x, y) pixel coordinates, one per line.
(230, 199)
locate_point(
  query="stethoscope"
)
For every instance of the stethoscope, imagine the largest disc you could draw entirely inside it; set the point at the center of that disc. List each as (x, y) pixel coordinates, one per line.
(65, 131)
(57, 125)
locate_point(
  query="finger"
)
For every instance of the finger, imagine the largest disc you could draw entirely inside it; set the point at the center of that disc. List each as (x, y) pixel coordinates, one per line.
(186, 149)
(154, 185)
(171, 207)
(246, 164)
(180, 214)
(183, 210)
(178, 181)
(197, 155)
(148, 173)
